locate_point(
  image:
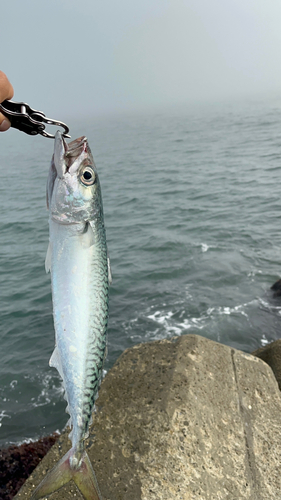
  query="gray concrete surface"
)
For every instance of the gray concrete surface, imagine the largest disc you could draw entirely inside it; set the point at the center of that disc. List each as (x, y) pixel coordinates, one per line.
(184, 419)
(271, 354)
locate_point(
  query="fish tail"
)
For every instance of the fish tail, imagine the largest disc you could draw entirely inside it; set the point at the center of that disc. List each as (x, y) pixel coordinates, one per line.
(83, 476)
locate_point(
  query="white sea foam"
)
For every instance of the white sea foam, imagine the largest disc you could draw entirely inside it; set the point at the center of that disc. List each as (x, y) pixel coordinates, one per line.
(164, 319)
(32, 440)
(176, 322)
(13, 384)
(264, 341)
(272, 307)
(170, 326)
(3, 414)
(220, 310)
(52, 390)
(253, 273)
(204, 247)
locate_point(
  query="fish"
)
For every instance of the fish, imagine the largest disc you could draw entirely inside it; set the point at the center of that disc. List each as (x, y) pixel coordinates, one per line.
(78, 260)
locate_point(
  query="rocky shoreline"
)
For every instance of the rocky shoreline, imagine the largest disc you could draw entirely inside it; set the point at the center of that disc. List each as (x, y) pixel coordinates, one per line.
(183, 419)
(18, 462)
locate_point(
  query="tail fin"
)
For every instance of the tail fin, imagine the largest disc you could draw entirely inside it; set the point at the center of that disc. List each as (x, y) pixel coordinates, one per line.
(84, 477)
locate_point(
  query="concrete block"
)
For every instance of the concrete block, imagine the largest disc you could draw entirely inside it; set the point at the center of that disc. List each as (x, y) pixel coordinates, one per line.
(188, 419)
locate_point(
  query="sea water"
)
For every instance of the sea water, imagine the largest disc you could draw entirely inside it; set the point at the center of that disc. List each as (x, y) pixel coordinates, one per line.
(192, 211)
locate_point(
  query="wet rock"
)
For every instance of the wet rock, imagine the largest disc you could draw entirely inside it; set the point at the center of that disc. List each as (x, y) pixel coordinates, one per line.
(276, 287)
(18, 462)
(271, 354)
(187, 419)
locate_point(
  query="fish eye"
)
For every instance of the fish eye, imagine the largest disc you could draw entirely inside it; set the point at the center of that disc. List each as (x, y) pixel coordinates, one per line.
(87, 176)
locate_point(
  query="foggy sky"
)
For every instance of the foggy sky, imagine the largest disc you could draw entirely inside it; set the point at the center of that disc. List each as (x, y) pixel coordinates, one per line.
(68, 57)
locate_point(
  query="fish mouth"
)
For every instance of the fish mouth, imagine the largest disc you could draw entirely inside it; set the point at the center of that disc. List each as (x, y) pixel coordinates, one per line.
(76, 147)
(65, 154)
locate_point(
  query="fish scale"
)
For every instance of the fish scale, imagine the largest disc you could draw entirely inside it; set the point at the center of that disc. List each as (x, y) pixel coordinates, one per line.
(78, 260)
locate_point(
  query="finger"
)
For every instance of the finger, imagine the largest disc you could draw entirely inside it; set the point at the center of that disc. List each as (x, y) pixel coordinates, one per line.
(6, 89)
(4, 123)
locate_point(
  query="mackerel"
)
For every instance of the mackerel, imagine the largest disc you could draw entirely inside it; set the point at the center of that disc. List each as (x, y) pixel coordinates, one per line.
(80, 273)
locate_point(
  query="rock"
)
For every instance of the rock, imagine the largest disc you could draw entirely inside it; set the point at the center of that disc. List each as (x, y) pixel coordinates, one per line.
(276, 287)
(17, 463)
(186, 419)
(271, 354)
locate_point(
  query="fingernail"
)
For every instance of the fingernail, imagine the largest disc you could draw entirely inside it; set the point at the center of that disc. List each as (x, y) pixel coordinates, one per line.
(4, 125)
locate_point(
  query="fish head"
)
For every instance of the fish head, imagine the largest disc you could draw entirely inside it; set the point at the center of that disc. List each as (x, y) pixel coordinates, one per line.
(73, 188)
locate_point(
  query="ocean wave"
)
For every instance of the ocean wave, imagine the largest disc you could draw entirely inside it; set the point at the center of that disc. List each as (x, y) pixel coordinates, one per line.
(269, 305)
(165, 322)
(171, 326)
(226, 310)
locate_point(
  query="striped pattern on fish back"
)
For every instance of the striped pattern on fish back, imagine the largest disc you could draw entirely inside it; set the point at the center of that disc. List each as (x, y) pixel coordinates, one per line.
(98, 323)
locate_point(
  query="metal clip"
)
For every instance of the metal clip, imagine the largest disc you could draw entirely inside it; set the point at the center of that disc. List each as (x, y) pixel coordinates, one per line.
(28, 120)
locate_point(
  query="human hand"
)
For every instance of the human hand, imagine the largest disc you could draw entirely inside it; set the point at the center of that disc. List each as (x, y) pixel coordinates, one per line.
(6, 92)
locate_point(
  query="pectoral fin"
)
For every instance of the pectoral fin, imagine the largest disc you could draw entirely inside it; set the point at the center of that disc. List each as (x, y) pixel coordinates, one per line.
(87, 237)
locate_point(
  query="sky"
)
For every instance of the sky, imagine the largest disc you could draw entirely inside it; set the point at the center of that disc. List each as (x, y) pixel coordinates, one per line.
(79, 57)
